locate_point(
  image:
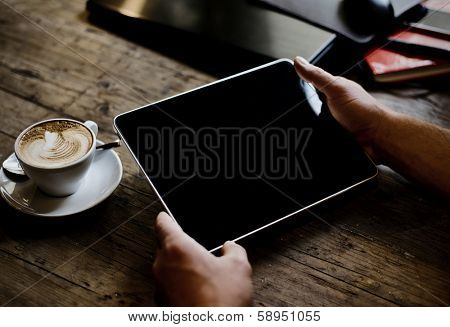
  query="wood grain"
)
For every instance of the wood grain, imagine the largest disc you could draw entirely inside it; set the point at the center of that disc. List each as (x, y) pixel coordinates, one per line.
(385, 245)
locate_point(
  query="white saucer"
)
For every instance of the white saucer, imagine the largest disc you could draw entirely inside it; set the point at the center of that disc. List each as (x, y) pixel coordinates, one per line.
(102, 179)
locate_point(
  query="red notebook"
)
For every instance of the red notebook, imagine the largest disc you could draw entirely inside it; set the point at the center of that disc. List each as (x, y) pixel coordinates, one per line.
(414, 37)
(390, 66)
(406, 58)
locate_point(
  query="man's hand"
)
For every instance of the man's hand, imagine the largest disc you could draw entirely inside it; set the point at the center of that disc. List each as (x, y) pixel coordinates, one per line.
(413, 147)
(188, 275)
(354, 108)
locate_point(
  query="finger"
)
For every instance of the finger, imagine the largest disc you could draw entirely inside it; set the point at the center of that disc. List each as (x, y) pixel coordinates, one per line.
(166, 226)
(231, 249)
(322, 80)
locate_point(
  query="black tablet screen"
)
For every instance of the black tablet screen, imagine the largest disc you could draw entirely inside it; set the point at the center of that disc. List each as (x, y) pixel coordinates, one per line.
(240, 154)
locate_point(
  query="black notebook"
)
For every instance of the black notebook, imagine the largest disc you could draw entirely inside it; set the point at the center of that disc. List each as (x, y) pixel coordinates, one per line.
(237, 22)
(329, 14)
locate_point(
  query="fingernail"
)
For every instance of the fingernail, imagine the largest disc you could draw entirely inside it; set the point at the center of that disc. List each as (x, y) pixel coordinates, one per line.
(229, 243)
(162, 213)
(301, 60)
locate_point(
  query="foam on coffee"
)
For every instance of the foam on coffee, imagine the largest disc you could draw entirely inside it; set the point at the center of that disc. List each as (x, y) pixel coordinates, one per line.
(55, 144)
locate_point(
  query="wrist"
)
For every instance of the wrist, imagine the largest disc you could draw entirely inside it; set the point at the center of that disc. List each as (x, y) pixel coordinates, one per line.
(382, 129)
(371, 137)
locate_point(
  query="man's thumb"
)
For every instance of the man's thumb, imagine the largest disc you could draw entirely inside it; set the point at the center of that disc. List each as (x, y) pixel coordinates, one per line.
(166, 226)
(322, 80)
(231, 249)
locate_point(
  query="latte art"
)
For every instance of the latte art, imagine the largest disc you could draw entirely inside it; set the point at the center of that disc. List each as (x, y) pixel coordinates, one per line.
(55, 144)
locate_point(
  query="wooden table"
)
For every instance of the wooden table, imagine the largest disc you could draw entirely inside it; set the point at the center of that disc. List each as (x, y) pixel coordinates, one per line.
(384, 246)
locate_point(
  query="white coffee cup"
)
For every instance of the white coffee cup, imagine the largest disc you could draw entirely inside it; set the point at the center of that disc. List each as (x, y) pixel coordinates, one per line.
(65, 180)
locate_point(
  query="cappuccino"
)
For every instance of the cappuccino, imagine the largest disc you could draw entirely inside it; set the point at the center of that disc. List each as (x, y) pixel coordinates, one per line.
(54, 144)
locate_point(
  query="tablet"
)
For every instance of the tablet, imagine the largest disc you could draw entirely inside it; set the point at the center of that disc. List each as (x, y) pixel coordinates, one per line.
(238, 155)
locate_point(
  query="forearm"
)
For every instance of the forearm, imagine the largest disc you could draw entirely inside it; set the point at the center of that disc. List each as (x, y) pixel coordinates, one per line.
(416, 149)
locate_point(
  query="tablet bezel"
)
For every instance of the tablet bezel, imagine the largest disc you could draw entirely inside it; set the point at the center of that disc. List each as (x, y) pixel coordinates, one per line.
(124, 141)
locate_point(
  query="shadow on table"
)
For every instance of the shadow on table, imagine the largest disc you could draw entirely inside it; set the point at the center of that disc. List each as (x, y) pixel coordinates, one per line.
(20, 225)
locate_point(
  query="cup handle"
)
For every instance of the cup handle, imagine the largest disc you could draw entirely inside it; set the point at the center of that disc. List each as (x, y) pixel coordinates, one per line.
(92, 126)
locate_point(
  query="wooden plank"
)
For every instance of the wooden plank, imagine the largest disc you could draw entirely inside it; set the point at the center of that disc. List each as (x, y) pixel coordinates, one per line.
(53, 291)
(369, 265)
(280, 280)
(394, 214)
(74, 80)
(426, 104)
(384, 269)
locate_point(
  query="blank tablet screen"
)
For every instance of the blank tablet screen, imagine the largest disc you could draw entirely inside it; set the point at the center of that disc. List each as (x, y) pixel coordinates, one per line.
(237, 155)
